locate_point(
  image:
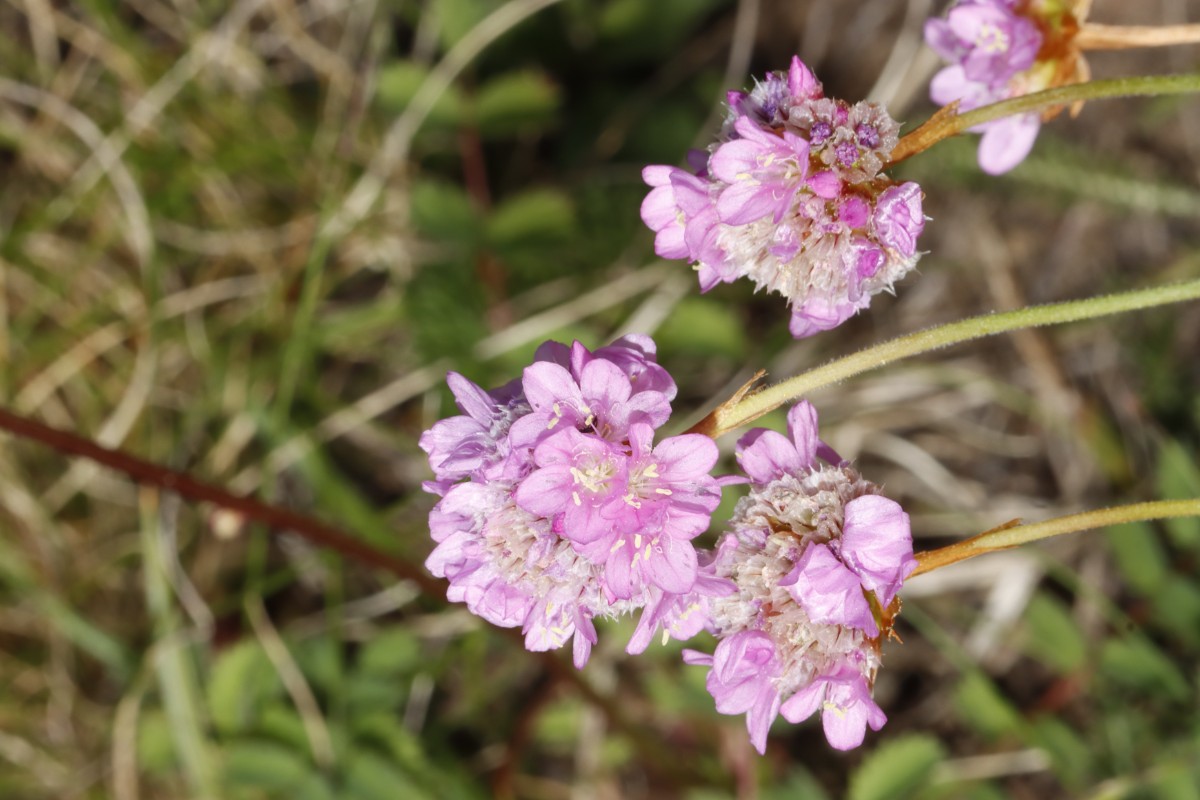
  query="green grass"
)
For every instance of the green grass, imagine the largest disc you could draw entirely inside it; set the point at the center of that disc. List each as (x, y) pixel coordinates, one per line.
(188, 272)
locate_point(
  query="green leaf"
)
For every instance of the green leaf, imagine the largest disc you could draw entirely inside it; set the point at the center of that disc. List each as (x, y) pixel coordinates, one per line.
(558, 725)
(984, 708)
(637, 29)
(314, 787)
(896, 769)
(1052, 636)
(1177, 608)
(1179, 479)
(155, 746)
(387, 736)
(369, 777)
(264, 765)
(1071, 755)
(516, 102)
(1178, 782)
(1135, 663)
(373, 693)
(320, 660)
(283, 725)
(399, 82)
(799, 785)
(242, 679)
(458, 17)
(443, 211)
(384, 730)
(1138, 555)
(705, 327)
(350, 330)
(391, 654)
(531, 218)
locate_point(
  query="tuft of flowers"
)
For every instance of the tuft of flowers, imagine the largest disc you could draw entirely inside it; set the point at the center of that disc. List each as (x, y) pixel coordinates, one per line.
(792, 196)
(1000, 49)
(816, 556)
(557, 508)
(556, 505)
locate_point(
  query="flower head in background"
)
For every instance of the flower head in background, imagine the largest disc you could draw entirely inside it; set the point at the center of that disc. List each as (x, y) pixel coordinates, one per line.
(999, 49)
(792, 196)
(816, 556)
(556, 505)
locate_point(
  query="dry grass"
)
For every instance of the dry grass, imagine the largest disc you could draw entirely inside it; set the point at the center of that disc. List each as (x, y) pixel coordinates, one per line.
(218, 253)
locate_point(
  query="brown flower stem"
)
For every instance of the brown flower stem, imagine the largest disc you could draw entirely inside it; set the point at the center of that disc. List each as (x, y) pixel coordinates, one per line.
(1093, 36)
(947, 122)
(277, 519)
(274, 517)
(1013, 534)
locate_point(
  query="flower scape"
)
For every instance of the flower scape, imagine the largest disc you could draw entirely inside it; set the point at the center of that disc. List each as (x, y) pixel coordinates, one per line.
(792, 196)
(558, 508)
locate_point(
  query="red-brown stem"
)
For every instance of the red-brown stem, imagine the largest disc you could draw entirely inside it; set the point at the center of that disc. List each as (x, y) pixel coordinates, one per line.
(1093, 36)
(279, 519)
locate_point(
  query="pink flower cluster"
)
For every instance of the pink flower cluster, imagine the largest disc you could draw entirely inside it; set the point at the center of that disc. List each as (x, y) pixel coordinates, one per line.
(816, 556)
(992, 47)
(793, 198)
(556, 506)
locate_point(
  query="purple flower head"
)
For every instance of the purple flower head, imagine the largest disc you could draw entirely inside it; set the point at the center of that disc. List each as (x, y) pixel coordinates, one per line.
(762, 171)
(681, 212)
(580, 482)
(898, 221)
(669, 501)
(791, 198)
(816, 557)
(877, 545)
(557, 508)
(741, 680)
(600, 399)
(844, 699)
(476, 442)
(990, 40)
(765, 455)
(682, 616)
(635, 355)
(998, 49)
(828, 591)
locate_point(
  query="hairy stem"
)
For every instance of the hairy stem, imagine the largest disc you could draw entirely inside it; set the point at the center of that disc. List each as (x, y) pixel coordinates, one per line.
(948, 122)
(1008, 536)
(748, 406)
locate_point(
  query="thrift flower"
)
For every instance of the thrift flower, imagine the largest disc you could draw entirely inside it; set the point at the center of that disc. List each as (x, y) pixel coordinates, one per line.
(792, 196)
(816, 556)
(557, 506)
(1000, 49)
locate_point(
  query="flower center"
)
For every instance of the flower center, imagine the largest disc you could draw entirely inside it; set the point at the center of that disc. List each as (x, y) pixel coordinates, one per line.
(992, 39)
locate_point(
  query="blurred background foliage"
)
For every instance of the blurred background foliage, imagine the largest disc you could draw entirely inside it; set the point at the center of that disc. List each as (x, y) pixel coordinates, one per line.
(186, 273)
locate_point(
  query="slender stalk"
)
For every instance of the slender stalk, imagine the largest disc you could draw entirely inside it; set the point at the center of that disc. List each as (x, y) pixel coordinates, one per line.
(948, 122)
(1008, 536)
(148, 473)
(279, 519)
(1093, 36)
(746, 407)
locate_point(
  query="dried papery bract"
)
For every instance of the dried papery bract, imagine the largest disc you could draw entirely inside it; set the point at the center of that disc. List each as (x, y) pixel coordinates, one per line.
(792, 197)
